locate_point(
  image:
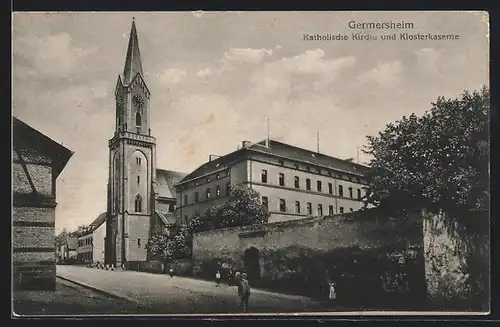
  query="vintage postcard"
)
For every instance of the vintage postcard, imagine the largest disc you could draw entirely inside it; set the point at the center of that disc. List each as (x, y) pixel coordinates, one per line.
(243, 163)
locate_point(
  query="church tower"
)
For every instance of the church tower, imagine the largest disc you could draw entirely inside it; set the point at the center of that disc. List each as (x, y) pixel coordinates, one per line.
(132, 165)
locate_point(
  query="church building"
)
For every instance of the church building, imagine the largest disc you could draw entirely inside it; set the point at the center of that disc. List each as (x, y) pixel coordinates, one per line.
(141, 198)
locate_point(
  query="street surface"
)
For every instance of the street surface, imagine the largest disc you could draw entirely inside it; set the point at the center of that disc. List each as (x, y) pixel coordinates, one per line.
(69, 299)
(162, 294)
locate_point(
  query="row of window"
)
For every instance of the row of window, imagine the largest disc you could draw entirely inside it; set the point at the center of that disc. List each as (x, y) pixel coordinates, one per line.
(85, 242)
(298, 210)
(208, 194)
(208, 180)
(322, 171)
(319, 185)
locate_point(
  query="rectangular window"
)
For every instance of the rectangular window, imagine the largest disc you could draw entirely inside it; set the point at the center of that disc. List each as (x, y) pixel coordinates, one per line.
(138, 161)
(263, 176)
(297, 207)
(171, 207)
(309, 208)
(265, 202)
(319, 186)
(297, 182)
(138, 179)
(330, 210)
(341, 190)
(196, 197)
(208, 193)
(308, 184)
(282, 205)
(359, 193)
(320, 210)
(281, 179)
(350, 192)
(341, 209)
(217, 190)
(185, 199)
(330, 188)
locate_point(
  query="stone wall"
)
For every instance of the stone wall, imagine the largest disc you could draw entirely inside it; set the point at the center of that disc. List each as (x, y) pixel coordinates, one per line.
(316, 234)
(446, 270)
(361, 251)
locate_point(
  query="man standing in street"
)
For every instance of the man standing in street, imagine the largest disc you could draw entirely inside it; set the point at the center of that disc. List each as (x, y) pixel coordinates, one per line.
(243, 290)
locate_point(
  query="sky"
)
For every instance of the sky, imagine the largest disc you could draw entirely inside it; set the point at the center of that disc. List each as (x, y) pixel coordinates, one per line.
(216, 78)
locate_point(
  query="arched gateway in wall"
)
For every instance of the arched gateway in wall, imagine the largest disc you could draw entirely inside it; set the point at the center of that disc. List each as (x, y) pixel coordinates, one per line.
(251, 260)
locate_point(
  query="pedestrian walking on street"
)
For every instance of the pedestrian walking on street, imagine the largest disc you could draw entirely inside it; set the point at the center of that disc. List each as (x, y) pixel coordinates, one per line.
(217, 278)
(333, 292)
(171, 271)
(243, 290)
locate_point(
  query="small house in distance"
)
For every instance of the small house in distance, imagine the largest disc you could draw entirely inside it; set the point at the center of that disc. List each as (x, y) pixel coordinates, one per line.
(91, 241)
(37, 161)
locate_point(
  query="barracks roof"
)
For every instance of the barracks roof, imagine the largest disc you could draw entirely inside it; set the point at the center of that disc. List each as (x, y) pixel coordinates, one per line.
(278, 149)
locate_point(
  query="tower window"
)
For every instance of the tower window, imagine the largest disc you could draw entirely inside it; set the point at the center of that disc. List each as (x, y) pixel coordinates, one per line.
(265, 202)
(282, 205)
(139, 242)
(341, 190)
(263, 176)
(138, 203)
(297, 182)
(138, 120)
(297, 207)
(217, 190)
(138, 161)
(281, 179)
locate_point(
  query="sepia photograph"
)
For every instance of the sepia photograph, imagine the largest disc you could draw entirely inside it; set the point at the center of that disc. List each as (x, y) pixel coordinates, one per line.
(250, 163)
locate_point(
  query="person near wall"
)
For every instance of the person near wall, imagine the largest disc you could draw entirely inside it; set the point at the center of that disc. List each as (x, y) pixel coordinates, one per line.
(171, 271)
(243, 290)
(217, 278)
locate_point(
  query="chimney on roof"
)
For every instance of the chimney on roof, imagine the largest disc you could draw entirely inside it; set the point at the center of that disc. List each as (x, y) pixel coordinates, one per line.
(244, 144)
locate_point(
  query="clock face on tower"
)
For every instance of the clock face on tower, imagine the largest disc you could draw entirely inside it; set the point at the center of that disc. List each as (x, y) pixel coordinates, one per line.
(138, 101)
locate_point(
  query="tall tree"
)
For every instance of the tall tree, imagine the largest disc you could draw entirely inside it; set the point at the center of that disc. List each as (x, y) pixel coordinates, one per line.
(438, 162)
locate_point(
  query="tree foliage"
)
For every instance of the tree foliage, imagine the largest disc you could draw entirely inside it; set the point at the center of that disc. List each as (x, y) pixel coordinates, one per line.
(438, 162)
(242, 208)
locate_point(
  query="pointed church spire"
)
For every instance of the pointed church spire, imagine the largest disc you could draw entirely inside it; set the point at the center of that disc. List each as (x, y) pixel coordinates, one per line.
(133, 64)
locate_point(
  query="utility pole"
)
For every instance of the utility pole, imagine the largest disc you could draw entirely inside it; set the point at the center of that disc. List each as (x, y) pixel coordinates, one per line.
(317, 141)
